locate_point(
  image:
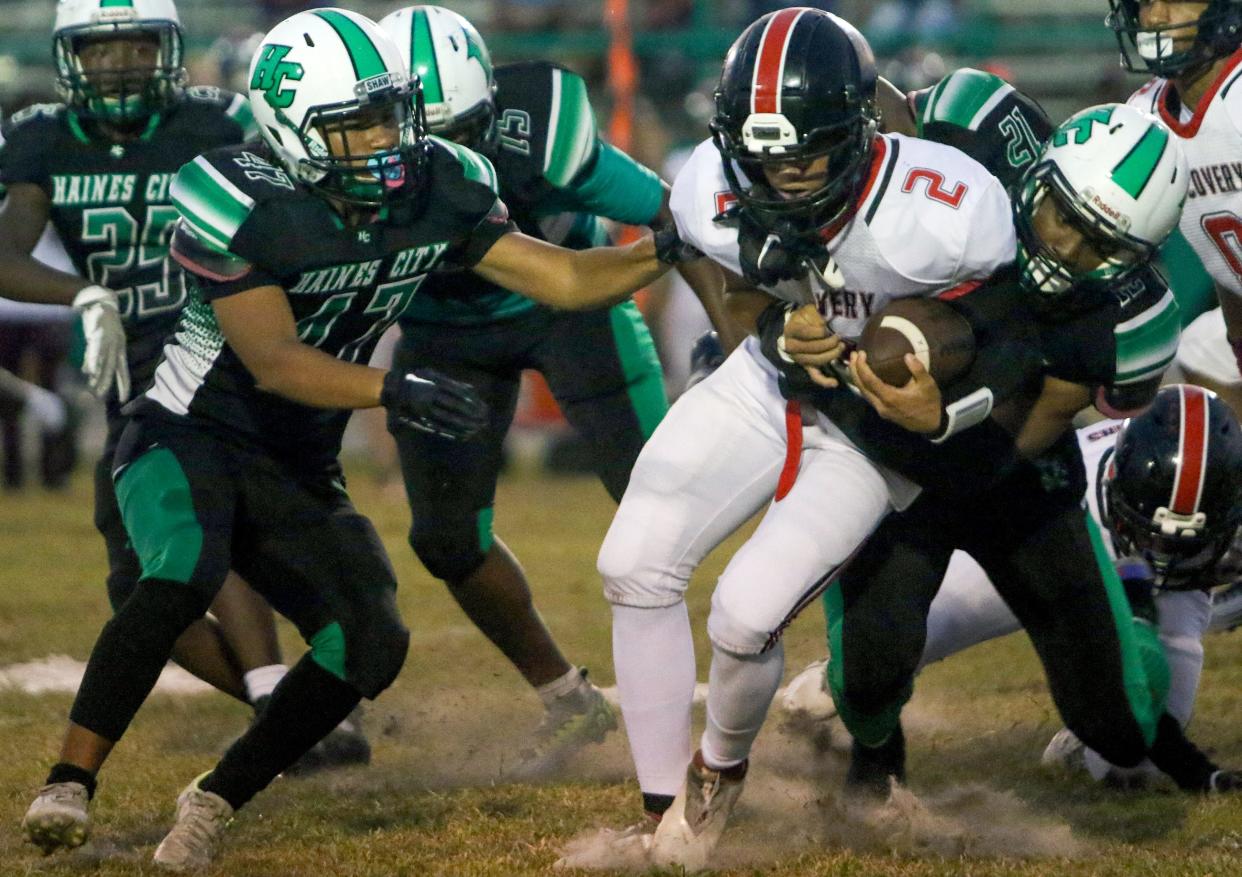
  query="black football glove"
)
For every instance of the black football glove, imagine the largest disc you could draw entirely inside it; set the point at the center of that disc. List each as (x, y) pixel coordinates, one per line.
(670, 248)
(770, 325)
(431, 402)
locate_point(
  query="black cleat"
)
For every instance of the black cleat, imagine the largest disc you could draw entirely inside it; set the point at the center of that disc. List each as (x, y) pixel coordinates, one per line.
(872, 767)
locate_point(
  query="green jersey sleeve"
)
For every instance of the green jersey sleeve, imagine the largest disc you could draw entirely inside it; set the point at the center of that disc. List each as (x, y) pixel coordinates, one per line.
(985, 117)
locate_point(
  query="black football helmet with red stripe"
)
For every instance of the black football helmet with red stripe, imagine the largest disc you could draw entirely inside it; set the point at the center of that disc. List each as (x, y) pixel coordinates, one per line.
(797, 85)
(1172, 490)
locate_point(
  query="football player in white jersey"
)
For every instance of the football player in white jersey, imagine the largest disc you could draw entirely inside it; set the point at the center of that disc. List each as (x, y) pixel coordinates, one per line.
(827, 212)
(1192, 50)
(1124, 500)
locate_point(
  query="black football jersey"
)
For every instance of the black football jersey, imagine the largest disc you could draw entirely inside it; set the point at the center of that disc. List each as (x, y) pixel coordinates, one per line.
(110, 203)
(1115, 339)
(245, 223)
(556, 177)
(986, 118)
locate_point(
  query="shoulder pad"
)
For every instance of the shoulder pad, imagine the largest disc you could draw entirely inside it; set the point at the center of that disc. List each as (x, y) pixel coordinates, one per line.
(963, 98)
(1145, 97)
(474, 167)
(1148, 329)
(233, 105)
(32, 115)
(216, 192)
(937, 215)
(699, 198)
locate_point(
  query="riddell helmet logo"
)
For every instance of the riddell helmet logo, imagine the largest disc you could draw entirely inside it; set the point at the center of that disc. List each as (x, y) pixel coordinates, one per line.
(1105, 209)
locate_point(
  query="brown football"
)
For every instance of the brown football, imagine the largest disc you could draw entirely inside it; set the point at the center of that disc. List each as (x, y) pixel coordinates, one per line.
(927, 327)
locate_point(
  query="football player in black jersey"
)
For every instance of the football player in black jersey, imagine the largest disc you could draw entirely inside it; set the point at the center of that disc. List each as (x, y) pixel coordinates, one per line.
(303, 249)
(100, 167)
(1107, 328)
(534, 121)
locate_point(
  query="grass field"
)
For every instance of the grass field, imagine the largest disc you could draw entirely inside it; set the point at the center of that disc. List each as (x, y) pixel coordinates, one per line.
(430, 803)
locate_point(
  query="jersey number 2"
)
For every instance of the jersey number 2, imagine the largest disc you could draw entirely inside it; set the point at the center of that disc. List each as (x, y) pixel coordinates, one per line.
(935, 186)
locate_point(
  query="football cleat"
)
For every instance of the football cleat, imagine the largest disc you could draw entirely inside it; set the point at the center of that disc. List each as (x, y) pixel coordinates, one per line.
(1225, 782)
(57, 817)
(195, 838)
(573, 721)
(807, 695)
(874, 768)
(1227, 603)
(611, 849)
(344, 745)
(1065, 751)
(692, 827)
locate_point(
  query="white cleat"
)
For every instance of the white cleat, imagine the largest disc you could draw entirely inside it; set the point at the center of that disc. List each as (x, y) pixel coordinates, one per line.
(627, 849)
(691, 828)
(57, 817)
(194, 840)
(1065, 751)
(807, 695)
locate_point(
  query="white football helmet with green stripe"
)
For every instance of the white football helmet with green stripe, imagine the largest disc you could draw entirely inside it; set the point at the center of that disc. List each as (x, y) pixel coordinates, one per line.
(447, 54)
(1119, 177)
(322, 74)
(120, 96)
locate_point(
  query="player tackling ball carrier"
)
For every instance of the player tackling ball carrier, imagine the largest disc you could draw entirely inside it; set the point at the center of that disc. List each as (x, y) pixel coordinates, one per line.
(877, 217)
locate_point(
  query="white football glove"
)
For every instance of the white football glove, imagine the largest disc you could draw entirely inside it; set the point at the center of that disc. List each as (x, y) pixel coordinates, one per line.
(104, 361)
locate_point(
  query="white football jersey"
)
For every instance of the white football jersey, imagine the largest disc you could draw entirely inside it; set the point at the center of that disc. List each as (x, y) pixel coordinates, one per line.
(1095, 441)
(929, 218)
(1212, 139)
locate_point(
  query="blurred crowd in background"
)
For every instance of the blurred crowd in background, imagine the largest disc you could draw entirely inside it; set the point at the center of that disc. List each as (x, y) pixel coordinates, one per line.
(1057, 51)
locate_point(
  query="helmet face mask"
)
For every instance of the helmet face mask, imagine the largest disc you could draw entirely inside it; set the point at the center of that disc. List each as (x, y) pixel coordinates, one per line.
(321, 82)
(1102, 197)
(1179, 48)
(1172, 491)
(446, 52)
(1040, 267)
(118, 64)
(797, 86)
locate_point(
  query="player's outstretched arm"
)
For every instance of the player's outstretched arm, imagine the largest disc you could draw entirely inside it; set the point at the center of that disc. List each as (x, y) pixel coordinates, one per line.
(24, 278)
(575, 280)
(259, 325)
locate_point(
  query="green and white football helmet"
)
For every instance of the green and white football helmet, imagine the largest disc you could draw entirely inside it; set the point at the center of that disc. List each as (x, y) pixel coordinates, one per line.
(317, 77)
(120, 96)
(1119, 177)
(450, 58)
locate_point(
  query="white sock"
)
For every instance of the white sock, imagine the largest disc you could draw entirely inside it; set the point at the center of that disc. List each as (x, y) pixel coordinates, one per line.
(653, 653)
(552, 691)
(262, 681)
(47, 408)
(740, 689)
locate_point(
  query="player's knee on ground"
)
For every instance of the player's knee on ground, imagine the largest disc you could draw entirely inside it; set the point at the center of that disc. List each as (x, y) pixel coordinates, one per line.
(452, 549)
(367, 652)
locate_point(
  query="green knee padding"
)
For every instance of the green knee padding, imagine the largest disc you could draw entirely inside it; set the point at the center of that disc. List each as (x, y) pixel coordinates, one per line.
(869, 729)
(1144, 671)
(158, 510)
(484, 523)
(328, 649)
(640, 365)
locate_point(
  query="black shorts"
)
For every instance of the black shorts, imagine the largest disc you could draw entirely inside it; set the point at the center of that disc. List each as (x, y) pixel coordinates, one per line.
(197, 502)
(600, 365)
